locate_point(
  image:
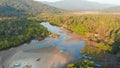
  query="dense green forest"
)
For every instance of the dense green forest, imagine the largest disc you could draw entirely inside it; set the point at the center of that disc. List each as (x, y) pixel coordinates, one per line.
(102, 30)
(17, 31)
(25, 7)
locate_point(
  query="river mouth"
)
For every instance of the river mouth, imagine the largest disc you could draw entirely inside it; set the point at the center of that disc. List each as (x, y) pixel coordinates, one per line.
(66, 45)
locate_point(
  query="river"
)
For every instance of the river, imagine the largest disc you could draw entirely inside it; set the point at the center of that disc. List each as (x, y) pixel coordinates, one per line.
(70, 47)
(67, 44)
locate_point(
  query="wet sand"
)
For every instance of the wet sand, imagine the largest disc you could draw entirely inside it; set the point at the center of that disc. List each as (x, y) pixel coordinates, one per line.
(48, 56)
(72, 35)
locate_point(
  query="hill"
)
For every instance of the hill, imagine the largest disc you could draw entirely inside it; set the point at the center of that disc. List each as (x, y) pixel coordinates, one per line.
(18, 7)
(113, 9)
(78, 5)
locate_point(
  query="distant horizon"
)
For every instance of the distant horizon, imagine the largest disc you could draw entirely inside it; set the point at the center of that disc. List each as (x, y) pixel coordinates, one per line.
(112, 2)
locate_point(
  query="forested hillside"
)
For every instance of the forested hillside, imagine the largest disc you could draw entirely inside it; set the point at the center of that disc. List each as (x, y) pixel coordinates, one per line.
(17, 31)
(24, 7)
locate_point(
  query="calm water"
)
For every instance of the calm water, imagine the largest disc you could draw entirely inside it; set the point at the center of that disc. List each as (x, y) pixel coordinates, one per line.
(72, 48)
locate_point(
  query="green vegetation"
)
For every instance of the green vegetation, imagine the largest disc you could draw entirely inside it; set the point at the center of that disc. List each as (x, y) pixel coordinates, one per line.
(82, 64)
(104, 30)
(95, 50)
(102, 46)
(91, 50)
(115, 48)
(20, 30)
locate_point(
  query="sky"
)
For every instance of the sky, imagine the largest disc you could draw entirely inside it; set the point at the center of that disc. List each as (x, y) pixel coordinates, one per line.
(115, 2)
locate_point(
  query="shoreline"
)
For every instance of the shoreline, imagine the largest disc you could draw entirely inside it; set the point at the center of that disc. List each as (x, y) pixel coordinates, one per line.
(15, 46)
